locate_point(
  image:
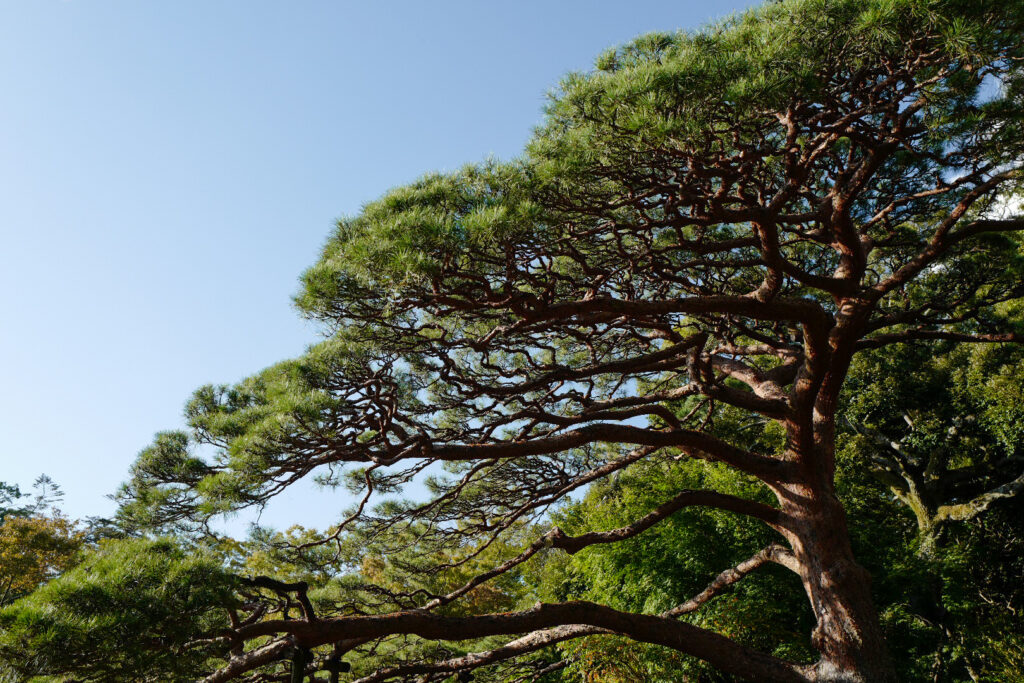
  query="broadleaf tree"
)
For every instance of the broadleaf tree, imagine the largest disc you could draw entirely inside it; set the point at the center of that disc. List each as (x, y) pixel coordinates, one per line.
(931, 453)
(945, 438)
(709, 222)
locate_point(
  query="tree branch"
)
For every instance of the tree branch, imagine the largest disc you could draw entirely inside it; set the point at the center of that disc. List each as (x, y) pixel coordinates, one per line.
(687, 498)
(541, 639)
(974, 507)
(721, 652)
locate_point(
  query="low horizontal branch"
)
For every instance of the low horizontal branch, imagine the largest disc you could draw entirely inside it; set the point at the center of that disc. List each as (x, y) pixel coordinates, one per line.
(721, 652)
(538, 640)
(516, 648)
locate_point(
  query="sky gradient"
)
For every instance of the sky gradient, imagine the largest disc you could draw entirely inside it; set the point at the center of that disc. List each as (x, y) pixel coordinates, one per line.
(168, 169)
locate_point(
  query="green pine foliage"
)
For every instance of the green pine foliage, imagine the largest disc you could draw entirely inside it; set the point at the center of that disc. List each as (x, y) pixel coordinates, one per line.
(598, 177)
(126, 612)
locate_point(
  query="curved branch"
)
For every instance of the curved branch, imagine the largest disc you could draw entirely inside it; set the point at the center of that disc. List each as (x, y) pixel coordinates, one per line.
(573, 544)
(541, 639)
(773, 553)
(516, 648)
(696, 444)
(556, 538)
(719, 651)
(300, 588)
(945, 237)
(979, 504)
(236, 666)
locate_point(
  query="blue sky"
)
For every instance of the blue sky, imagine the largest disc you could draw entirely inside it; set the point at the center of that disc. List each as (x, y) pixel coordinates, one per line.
(168, 169)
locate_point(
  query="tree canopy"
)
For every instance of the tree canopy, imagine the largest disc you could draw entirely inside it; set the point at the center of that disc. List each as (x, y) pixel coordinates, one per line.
(674, 281)
(37, 542)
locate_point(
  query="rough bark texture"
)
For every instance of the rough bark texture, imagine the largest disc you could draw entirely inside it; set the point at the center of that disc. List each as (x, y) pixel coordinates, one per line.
(847, 633)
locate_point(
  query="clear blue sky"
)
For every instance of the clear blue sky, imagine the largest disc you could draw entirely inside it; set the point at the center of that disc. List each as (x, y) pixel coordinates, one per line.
(169, 168)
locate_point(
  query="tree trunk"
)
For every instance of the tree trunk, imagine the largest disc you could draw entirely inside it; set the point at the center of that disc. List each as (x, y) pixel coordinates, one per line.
(848, 634)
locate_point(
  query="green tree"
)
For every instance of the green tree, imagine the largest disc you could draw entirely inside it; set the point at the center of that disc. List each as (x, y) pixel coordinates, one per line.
(944, 431)
(721, 220)
(132, 610)
(665, 566)
(37, 542)
(46, 497)
(936, 426)
(34, 549)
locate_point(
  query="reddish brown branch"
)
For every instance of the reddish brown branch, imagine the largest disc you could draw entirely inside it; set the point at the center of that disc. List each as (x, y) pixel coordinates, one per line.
(687, 498)
(696, 444)
(541, 639)
(721, 652)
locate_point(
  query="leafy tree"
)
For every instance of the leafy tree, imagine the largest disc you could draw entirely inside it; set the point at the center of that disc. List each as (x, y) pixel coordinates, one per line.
(945, 433)
(47, 495)
(937, 426)
(131, 611)
(37, 542)
(33, 550)
(709, 227)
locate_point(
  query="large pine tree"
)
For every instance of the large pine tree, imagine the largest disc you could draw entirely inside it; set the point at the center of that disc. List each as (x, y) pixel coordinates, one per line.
(708, 221)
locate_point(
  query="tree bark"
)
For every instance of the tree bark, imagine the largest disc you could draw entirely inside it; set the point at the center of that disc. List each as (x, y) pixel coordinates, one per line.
(848, 633)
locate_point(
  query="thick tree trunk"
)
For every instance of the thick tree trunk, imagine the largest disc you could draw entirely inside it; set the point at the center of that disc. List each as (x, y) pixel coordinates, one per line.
(848, 634)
